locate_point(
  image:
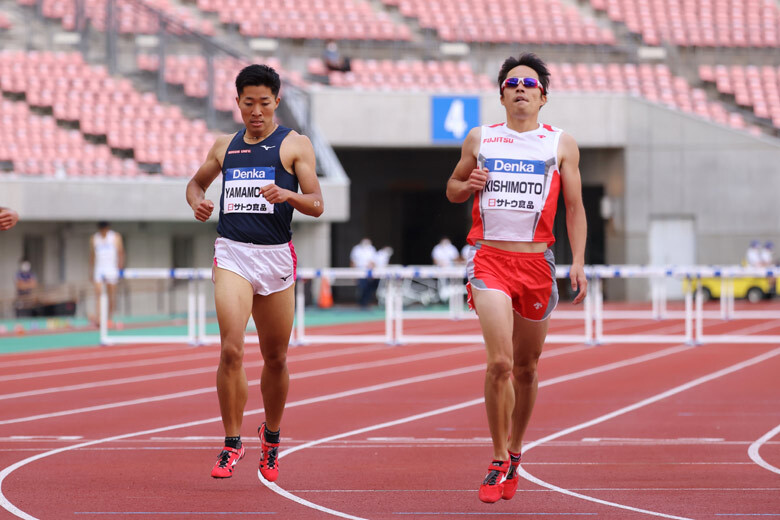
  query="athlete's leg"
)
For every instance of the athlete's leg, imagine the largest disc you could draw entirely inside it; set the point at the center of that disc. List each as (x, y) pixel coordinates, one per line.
(96, 317)
(273, 315)
(528, 340)
(495, 317)
(233, 298)
(111, 290)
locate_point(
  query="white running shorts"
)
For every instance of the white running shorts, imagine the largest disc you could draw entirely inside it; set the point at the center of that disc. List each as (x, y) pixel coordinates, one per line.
(269, 269)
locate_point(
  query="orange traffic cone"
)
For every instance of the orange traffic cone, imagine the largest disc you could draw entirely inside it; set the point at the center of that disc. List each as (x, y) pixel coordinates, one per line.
(326, 296)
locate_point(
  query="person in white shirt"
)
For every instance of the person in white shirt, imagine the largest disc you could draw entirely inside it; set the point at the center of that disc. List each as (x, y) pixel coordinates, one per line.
(445, 254)
(768, 254)
(106, 259)
(382, 257)
(753, 254)
(363, 256)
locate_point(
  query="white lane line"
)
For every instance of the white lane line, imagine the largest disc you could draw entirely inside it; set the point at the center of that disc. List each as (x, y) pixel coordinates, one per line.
(645, 402)
(753, 450)
(179, 373)
(569, 377)
(254, 382)
(8, 506)
(109, 366)
(102, 353)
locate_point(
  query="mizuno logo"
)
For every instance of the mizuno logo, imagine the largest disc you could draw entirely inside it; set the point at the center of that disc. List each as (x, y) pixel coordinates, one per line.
(284, 278)
(267, 147)
(541, 136)
(537, 305)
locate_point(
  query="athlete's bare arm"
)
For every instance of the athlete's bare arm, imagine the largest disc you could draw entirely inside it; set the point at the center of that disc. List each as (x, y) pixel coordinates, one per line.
(467, 177)
(576, 223)
(297, 156)
(200, 182)
(8, 218)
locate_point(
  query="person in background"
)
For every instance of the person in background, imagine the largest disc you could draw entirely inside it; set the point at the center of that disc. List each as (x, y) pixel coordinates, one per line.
(363, 256)
(382, 257)
(444, 254)
(8, 218)
(106, 260)
(753, 254)
(26, 284)
(333, 59)
(768, 260)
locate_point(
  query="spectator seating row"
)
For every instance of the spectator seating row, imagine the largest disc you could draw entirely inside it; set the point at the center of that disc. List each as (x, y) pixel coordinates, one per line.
(131, 19)
(652, 82)
(36, 145)
(699, 23)
(501, 21)
(405, 75)
(307, 19)
(752, 86)
(190, 72)
(106, 106)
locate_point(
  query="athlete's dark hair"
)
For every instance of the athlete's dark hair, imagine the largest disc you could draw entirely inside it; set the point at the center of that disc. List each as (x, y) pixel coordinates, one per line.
(258, 75)
(528, 59)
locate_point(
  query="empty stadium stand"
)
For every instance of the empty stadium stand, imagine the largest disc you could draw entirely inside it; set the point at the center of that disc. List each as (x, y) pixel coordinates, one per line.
(307, 19)
(107, 108)
(501, 21)
(33, 144)
(189, 72)
(698, 23)
(130, 18)
(754, 87)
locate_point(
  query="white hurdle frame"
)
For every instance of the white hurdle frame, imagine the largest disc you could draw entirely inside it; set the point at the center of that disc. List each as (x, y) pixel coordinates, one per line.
(593, 312)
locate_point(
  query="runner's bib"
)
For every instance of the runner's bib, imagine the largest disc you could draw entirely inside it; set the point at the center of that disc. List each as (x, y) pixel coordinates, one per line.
(514, 184)
(243, 190)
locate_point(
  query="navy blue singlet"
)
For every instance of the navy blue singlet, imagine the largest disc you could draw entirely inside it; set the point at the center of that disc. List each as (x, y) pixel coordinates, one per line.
(244, 214)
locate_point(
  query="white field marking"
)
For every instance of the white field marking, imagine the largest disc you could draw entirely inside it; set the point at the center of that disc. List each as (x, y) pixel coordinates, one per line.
(428, 490)
(180, 373)
(753, 450)
(109, 366)
(101, 353)
(147, 362)
(576, 375)
(8, 506)
(254, 382)
(640, 404)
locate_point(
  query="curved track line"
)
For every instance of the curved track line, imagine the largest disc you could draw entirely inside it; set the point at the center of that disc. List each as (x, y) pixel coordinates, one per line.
(575, 375)
(650, 400)
(753, 450)
(7, 505)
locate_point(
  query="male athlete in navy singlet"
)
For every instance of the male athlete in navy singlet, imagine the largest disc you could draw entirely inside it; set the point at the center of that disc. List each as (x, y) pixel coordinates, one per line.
(262, 167)
(516, 170)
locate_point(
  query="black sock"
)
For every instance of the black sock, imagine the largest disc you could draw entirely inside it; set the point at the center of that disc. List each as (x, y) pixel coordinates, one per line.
(272, 437)
(514, 458)
(233, 442)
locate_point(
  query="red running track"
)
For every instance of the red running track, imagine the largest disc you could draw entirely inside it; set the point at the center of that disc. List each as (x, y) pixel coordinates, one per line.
(378, 432)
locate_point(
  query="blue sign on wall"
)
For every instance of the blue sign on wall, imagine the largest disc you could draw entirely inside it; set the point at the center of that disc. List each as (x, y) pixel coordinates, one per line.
(453, 117)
